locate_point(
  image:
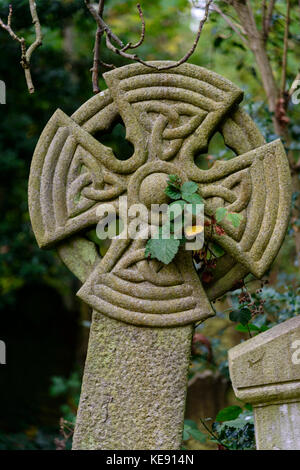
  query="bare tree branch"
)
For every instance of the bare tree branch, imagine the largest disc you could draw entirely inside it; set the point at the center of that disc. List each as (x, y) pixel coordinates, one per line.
(99, 33)
(25, 53)
(98, 36)
(121, 51)
(257, 45)
(285, 47)
(101, 23)
(230, 23)
(106, 65)
(38, 31)
(192, 49)
(276, 93)
(267, 18)
(7, 27)
(142, 37)
(283, 99)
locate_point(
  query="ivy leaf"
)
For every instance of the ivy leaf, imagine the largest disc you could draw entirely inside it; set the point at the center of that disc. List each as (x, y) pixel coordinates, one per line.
(189, 187)
(173, 192)
(229, 413)
(235, 219)
(198, 435)
(191, 430)
(220, 213)
(246, 328)
(216, 249)
(172, 214)
(251, 327)
(190, 423)
(162, 249)
(242, 316)
(174, 180)
(245, 417)
(192, 198)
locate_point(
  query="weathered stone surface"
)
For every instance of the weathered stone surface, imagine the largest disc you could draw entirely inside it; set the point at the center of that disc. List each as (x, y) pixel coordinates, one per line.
(134, 387)
(169, 118)
(266, 372)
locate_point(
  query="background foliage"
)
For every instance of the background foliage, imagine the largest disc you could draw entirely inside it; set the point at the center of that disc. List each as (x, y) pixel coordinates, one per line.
(44, 327)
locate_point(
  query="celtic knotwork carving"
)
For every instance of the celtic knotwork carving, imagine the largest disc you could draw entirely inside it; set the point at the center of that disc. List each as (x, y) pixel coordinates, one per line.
(169, 118)
(144, 291)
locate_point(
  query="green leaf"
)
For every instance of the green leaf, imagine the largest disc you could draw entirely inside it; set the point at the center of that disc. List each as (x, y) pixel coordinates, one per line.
(216, 249)
(242, 316)
(235, 219)
(246, 328)
(246, 417)
(198, 435)
(175, 206)
(172, 192)
(264, 328)
(174, 179)
(192, 198)
(251, 327)
(260, 320)
(229, 413)
(190, 423)
(191, 429)
(163, 250)
(189, 187)
(220, 213)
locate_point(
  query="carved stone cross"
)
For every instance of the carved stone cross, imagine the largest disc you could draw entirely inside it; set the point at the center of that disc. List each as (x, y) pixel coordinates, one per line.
(135, 378)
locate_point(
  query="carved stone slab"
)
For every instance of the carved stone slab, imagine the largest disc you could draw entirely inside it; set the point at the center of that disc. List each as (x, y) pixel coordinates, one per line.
(169, 118)
(265, 371)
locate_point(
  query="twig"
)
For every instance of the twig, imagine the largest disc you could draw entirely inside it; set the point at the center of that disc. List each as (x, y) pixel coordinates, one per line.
(66, 429)
(267, 18)
(121, 51)
(249, 332)
(142, 37)
(38, 31)
(7, 26)
(230, 23)
(25, 53)
(101, 23)
(211, 433)
(108, 66)
(285, 47)
(98, 36)
(109, 44)
(192, 49)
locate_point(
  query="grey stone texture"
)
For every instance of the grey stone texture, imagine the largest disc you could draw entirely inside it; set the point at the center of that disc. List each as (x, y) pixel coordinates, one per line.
(265, 371)
(143, 312)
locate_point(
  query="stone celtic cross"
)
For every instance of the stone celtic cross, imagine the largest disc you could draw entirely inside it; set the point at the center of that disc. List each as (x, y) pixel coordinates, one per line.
(134, 385)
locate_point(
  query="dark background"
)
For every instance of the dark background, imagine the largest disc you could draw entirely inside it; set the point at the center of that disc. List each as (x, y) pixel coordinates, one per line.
(43, 325)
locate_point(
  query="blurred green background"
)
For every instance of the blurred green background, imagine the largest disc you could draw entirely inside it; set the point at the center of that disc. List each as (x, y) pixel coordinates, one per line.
(42, 323)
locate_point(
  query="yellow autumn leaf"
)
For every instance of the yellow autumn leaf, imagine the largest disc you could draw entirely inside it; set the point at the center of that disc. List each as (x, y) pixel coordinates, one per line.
(192, 230)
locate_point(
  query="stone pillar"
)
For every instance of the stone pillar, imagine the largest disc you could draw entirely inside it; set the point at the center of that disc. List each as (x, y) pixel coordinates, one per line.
(134, 387)
(265, 371)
